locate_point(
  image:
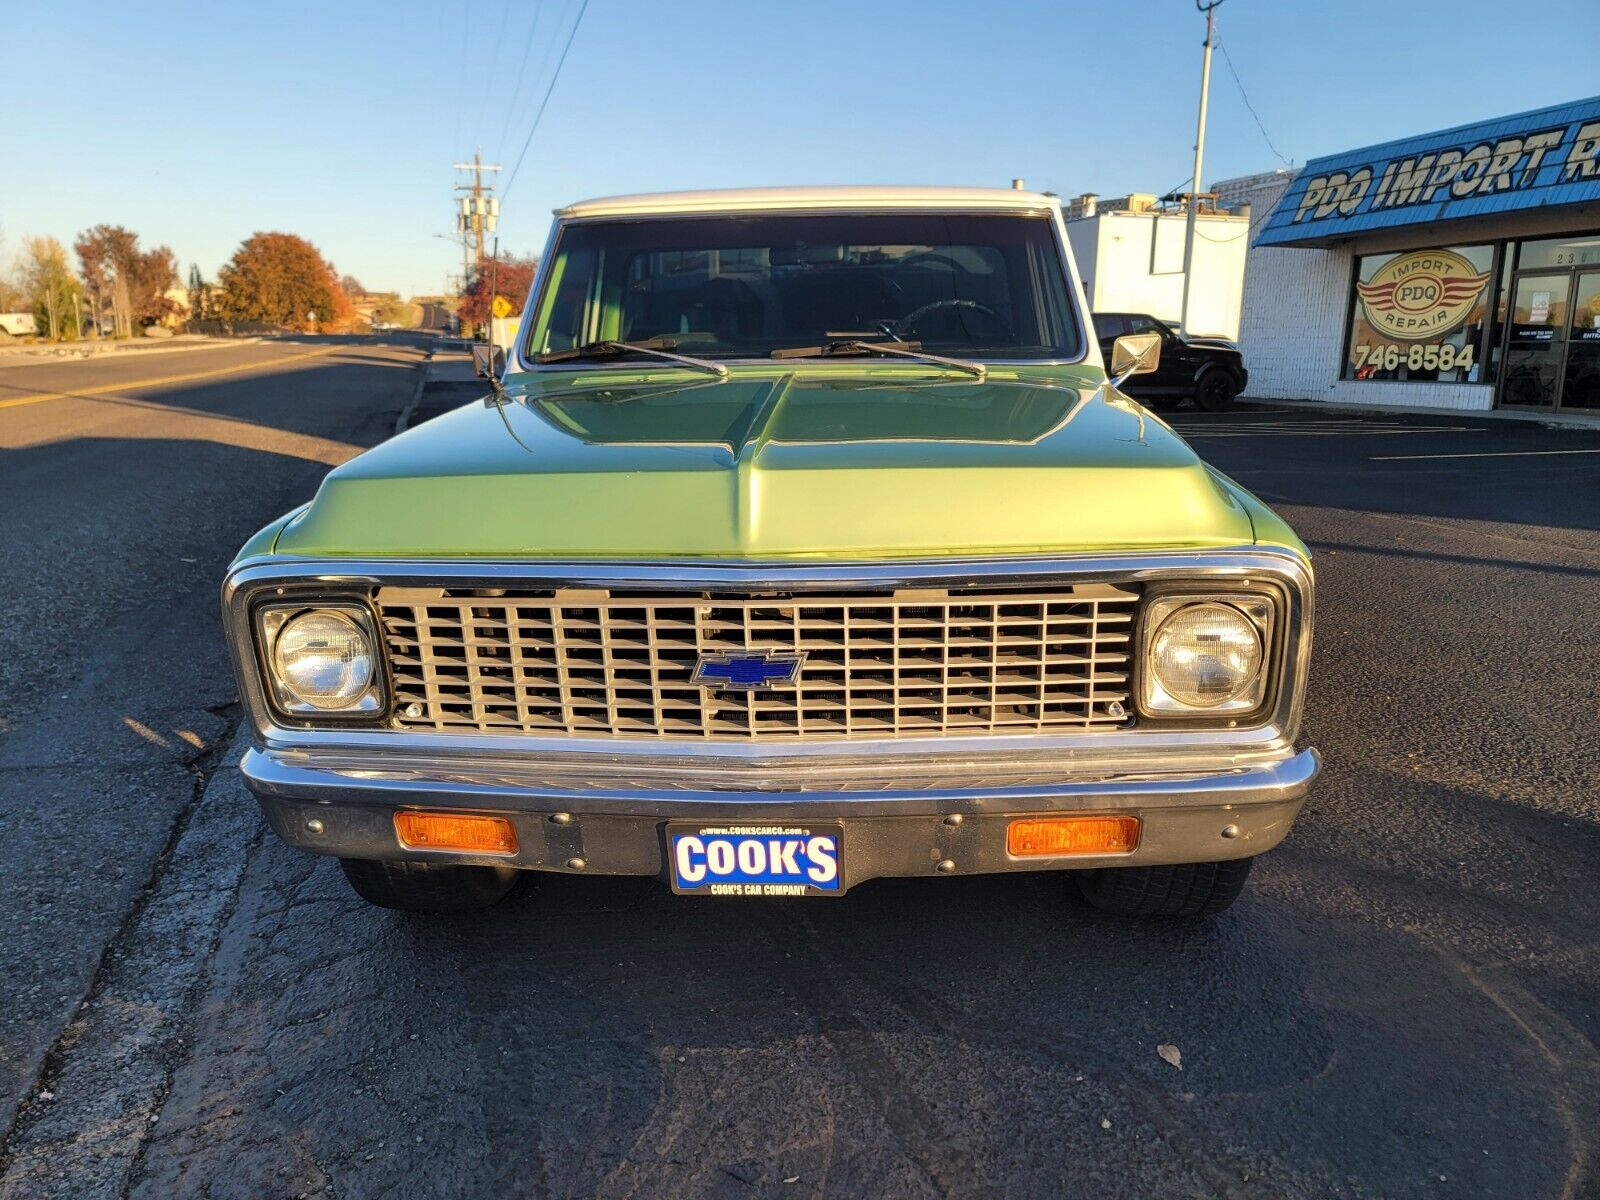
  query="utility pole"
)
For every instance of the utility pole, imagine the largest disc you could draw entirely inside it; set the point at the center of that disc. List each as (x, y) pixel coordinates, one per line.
(1195, 185)
(480, 211)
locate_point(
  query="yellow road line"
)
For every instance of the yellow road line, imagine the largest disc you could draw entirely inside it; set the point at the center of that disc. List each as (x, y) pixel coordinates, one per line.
(139, 384)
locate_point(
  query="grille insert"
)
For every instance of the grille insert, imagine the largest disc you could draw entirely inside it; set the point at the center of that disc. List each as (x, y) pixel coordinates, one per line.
(877, 664)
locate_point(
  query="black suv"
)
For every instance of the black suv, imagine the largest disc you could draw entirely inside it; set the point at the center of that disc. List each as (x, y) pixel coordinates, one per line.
(1210, 371)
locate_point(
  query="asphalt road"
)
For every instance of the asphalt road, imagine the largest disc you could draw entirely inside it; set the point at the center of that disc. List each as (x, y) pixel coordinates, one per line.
(120, 505)
(1405, 1003)
(435, 317)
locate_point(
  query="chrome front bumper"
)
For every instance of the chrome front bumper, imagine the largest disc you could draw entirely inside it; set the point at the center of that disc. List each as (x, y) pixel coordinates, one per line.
(909, 806)
(589, 821)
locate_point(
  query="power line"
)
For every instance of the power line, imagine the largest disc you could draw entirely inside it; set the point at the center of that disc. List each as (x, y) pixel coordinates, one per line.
(522, 68)
(493, 65)
(466, 73)
(1245, 96)
(561, 62)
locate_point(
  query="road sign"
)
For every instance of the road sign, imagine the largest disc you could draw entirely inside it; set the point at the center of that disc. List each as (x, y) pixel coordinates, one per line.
(501, 307)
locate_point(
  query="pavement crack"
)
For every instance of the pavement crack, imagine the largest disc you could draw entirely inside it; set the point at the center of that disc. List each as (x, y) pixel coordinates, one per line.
(114, 954)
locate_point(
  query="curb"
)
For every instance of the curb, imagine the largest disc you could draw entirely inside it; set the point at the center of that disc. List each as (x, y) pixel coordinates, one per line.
(50, 359)
(82, 1131)
(1548, 420)
(404, 419)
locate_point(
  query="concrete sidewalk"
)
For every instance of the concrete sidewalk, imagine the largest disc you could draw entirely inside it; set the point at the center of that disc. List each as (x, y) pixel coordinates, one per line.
(447, 382)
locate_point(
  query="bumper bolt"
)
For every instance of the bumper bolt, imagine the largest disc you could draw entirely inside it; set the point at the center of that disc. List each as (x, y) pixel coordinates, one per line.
(315, 825)
(576, 864)
(946, 866)
(413, 709)
(1230, 831)
(1115, 709)
(561, 818)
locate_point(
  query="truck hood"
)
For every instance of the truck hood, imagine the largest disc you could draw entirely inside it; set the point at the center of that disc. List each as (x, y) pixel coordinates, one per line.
(833, 461)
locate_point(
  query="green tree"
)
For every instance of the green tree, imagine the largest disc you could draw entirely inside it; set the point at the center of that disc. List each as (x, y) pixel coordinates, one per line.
(198, 294)
(12, 296)
(279, 278)
(51, 286)
(398, 312)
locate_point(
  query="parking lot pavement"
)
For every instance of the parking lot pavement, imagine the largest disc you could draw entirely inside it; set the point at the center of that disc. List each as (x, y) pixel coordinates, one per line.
(1405, 1002)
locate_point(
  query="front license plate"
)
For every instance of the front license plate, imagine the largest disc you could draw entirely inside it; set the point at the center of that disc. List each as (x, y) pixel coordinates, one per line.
(756, 860)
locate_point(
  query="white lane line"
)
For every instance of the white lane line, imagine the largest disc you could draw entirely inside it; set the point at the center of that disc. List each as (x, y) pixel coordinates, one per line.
(1319, 430)
(1481, 454)
(1322, 433)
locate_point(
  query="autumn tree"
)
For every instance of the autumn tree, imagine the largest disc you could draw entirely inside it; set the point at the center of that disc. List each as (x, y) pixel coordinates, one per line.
(154, 274)
(279, 279)
(512, 278)
(131, 282)
(51, 286)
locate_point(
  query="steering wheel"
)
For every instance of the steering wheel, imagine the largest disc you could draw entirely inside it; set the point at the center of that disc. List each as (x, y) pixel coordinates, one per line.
(908, 322)
(928, 258)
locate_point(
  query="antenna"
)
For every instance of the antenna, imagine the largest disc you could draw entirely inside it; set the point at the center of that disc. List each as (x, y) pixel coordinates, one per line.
(494, 275)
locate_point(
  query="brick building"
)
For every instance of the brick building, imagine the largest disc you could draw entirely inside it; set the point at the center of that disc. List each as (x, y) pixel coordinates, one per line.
(1455, 270)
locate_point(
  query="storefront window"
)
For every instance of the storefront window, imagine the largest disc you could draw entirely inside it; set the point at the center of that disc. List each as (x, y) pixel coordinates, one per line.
(1576, 250)
(1420, 315)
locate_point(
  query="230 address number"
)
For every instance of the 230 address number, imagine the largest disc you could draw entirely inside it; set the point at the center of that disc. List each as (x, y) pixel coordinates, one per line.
(1441, 357)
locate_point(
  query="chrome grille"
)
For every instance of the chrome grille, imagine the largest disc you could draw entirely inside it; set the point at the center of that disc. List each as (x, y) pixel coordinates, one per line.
(924, 662)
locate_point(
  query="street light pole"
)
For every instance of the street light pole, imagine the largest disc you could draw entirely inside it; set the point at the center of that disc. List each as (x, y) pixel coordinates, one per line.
(1210, 11)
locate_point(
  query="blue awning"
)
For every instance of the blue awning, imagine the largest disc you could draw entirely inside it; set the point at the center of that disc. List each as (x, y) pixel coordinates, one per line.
(1538, 159)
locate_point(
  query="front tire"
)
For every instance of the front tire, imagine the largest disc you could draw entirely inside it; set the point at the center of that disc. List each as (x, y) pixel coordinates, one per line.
(1181, 890)
(1216, 391)
(427, 887)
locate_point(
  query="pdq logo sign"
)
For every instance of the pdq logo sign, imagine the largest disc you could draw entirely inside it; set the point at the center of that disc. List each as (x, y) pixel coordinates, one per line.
(1421, 296)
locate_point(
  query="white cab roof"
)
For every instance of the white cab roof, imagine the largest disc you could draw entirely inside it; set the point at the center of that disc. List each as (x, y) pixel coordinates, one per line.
(807, 198)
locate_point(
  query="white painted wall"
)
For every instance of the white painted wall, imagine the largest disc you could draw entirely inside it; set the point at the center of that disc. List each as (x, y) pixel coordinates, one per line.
(1292, 336)
(1133, 262)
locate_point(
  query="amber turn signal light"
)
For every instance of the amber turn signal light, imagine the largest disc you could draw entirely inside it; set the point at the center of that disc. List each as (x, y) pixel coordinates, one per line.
(455, 831)
(1035, 837)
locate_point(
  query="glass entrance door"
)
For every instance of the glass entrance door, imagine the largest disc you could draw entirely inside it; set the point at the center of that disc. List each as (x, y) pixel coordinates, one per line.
(1536, 340)
(1580, 385)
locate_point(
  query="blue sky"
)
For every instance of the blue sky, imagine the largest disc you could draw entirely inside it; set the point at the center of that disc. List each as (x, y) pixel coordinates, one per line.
(197, 125)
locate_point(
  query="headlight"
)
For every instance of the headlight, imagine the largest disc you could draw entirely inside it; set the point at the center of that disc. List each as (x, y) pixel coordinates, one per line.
(1205, 656)
(321, 660)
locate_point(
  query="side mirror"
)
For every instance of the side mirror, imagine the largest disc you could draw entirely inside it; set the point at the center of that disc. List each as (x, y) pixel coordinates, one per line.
(1134, 354)
(484, 365)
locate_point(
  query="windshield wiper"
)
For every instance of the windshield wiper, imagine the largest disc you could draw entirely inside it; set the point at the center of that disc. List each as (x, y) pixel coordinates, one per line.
(658, 347)
(895, 349)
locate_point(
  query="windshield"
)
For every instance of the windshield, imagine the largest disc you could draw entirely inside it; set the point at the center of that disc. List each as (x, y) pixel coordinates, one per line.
(741, 287)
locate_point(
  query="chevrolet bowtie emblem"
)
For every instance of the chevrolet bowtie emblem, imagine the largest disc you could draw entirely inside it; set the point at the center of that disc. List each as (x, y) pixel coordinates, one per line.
(747, 671)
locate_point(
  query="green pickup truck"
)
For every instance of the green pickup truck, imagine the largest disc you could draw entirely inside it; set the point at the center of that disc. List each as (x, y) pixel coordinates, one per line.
(801, 540)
